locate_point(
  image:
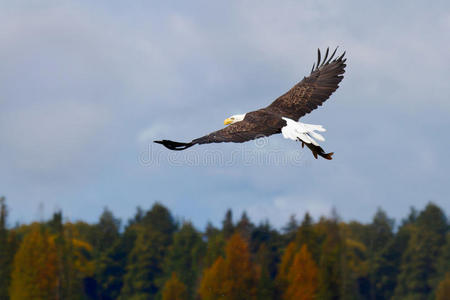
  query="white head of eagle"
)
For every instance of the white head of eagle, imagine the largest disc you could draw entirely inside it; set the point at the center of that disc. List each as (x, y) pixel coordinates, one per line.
(234, 119)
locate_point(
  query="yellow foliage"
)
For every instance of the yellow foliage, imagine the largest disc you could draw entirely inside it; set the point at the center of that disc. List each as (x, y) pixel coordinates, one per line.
(286, 263)
(35, 273)
(174, 289)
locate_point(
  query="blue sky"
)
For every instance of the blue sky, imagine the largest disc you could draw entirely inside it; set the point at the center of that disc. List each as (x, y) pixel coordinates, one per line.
(85, 87)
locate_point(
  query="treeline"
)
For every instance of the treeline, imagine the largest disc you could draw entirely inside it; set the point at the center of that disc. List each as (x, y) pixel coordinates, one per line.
(156, 257)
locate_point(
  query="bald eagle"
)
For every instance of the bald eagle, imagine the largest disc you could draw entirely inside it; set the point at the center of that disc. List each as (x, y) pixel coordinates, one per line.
(282, 115)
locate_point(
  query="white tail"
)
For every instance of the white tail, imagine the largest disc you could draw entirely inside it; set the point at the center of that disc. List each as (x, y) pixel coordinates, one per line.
(301, 131)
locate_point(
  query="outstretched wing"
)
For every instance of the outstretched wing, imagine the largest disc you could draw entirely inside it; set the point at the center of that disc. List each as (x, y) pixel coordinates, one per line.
(255, 125)
(313, 90)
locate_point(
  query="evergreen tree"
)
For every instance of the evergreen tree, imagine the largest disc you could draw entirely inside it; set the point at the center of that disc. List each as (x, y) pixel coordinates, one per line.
(5, 254)
(266, 287)
(443, 290)
(380, 235)
(302, 277)
(111, 266)
(306, 235)
(35, 273)
(444, 258)
(235, 277)
(290, 229)
(174, 289)
(264, 234)
(227, 224)
(185, 256)
(215, 244)
(332, 275)
(145, 263)
(419, 270)
(282, 279)
(244, 227)
(107, 231)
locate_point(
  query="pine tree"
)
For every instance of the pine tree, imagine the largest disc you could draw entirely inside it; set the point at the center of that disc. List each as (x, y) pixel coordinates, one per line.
(107, 231)
(244, 227)
(443, 290)
(380, 235)
(282, 280)
(266, 286)
(212, 285)
(144, 276)
(5, 254)
(174, 289)
(185, 256)
(290, 229)
(35, 273)
(235, 277)
(302, 277)
(306, 235)
(419, 270)
(227, 224)
(332, 275)
(111, 266)
(215, 244)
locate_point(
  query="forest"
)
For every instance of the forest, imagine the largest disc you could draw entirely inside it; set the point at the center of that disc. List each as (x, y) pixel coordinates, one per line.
(154, 255)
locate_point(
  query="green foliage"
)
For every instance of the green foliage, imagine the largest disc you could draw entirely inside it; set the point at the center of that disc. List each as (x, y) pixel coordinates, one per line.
(185, 257)
(7, 246)
(419, 269)
(144, 276)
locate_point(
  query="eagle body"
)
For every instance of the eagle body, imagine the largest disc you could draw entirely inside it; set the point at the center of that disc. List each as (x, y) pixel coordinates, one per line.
(282, 115)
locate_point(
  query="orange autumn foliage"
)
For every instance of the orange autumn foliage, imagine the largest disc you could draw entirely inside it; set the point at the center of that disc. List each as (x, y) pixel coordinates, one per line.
(234, 277)
(174, 289)
(285, 265)
(302, 279)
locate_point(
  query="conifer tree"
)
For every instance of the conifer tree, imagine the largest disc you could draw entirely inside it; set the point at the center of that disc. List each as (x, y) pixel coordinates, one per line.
(244, 227)
(227, 224)
(443, 290)
(35, 273)
(111, 265)
(306, 235)
(144, 276)
(302, 277)
(282, 280)
(419, 271)
(185, 256)
(5, 254)
(234, 278)
(290, 229)
(107, 231)
(174, 289)
(266, 286)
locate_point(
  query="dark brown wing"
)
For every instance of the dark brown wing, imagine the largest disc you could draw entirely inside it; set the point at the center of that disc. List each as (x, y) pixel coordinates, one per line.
(255, 125)
(313, 90)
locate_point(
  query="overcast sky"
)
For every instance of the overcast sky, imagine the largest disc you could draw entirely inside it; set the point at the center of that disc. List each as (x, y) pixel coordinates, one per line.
(86, 86)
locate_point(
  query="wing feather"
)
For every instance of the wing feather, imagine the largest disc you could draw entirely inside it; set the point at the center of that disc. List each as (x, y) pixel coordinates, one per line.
(256, 124)
(313, 90)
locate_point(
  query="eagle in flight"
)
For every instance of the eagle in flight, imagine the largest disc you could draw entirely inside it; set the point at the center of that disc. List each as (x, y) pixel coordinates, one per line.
(282, 115)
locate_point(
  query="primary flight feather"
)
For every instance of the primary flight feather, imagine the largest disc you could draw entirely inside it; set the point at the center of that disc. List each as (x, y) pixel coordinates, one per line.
(282, 115)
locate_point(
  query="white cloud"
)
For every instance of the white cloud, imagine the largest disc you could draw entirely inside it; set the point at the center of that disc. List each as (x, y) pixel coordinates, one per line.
(279, 209)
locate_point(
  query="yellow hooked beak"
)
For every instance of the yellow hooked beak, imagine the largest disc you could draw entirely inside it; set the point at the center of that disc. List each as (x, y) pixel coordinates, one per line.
(227, 121)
